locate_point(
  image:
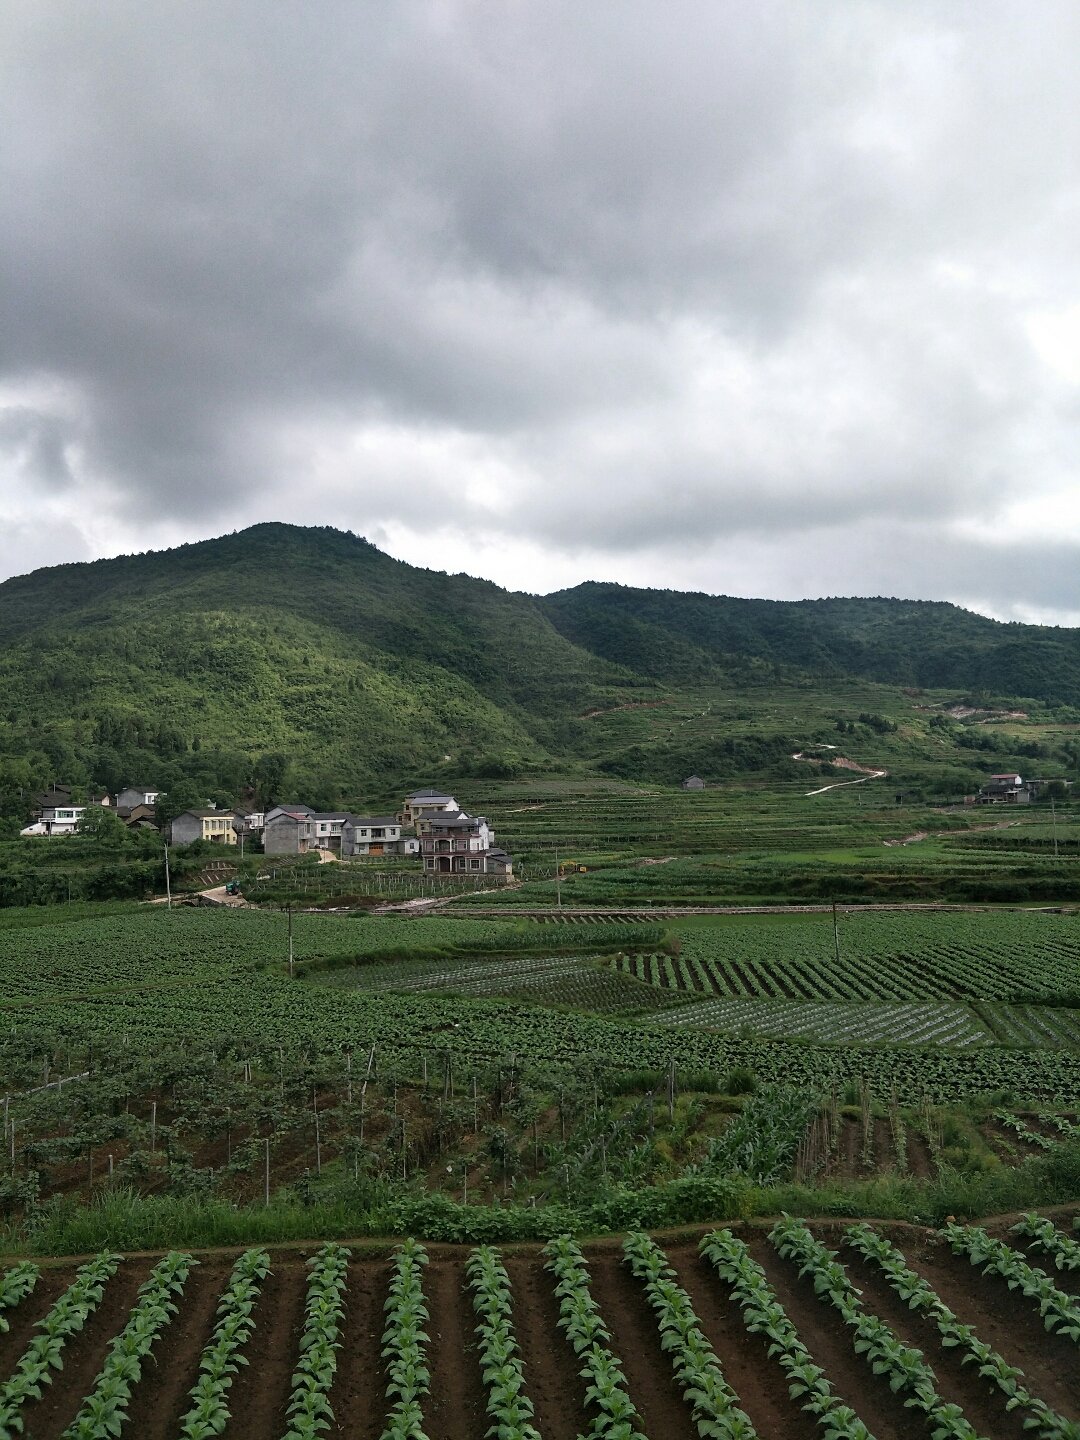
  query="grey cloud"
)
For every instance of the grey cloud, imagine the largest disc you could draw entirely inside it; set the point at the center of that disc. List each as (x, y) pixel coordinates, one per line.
(35, 444)
(669, 275)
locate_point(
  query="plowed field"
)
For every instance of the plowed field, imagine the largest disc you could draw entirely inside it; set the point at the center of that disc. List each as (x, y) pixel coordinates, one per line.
(455, 1409)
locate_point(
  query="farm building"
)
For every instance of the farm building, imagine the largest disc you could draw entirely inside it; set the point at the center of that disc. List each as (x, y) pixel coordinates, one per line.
(1008, 789)
(459, 844)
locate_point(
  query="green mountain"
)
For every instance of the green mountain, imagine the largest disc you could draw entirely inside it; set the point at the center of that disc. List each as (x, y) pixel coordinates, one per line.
(682, 638)
(278, 656)
(305, 662)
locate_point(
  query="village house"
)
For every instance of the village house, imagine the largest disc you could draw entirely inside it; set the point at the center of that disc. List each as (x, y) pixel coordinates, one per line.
(142, 817)
(424, 805)
(134, 795)
(460, 844)
(1008, 789)
(61, 817)
(372, 835)
(216, 826)
(289, 830)
(693, 782)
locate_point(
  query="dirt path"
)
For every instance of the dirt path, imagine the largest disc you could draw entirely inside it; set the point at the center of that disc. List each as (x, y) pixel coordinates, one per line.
(839, 784)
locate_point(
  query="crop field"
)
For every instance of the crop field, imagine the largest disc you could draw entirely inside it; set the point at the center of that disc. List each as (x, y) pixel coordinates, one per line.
(838, 1022)
(528, 1063)
(573, 982)
(874, 956)
(785, 1333)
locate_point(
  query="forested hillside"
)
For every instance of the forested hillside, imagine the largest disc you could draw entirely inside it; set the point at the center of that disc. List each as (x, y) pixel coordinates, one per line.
(290, 660)
(679, 637)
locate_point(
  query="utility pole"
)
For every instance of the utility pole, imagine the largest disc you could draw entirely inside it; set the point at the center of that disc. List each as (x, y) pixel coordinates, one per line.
(168, 882)
(288, 911)
(558, 880)
(1053, 816)
(835, 933)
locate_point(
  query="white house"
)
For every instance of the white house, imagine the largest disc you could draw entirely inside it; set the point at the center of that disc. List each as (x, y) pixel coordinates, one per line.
(372, 835)
(425, 805)
(56, 819)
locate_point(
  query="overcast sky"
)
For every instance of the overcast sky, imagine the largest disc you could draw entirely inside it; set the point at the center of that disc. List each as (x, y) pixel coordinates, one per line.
(766, 298)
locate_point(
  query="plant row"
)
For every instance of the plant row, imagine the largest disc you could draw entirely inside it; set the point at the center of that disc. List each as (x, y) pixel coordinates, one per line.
(223, 1355)
(309, 1409)
(919, 1295)
(15, 1285)
(581, 1322)
(44, 1354)
(104, 1412)
(714, 1404)
(763, 1315)
(905, 1368)
(510, 1408)
(405, 1342)
(1041, 1232)
(1060, 1312)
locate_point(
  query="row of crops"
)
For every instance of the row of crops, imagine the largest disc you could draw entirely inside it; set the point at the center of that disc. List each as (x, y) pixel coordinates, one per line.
(726, 1343)
(267, 1015)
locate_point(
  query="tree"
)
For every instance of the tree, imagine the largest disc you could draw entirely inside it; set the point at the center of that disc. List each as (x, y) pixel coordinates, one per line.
(104, 828)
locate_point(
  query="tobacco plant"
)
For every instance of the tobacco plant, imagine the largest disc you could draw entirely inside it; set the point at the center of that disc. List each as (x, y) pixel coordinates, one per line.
(1060, 1312)
(1041, 1232)
(905, 1368)
(763, 1315)
(223, 1356)
(714, 1404)
(405, 1345)
(580, 1321)
(104, 1412)
(44, 1354)
(15, 1285)
(919, 1295)
(309, 1409)
(510, 1408)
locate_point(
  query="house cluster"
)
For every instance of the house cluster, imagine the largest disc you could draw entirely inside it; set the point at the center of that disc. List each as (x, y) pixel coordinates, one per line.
(430, 826)
(57, 814)
(1009, 789)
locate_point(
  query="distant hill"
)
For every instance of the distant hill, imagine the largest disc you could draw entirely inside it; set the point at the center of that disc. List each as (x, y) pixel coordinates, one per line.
(307, 662)
(682, 638)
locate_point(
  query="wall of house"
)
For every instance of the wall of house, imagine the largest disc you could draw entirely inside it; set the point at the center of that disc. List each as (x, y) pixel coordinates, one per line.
(281, 837)
(185, 829)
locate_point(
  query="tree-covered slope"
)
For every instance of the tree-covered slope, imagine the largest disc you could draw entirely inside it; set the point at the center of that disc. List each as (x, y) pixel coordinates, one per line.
(303, 646)
(681, 638)
(307, 662)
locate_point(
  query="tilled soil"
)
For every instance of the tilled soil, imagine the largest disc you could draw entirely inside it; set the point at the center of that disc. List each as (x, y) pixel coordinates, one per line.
(455, 1409)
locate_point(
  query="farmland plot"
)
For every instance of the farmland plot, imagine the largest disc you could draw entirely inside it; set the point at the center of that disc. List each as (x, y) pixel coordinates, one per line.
(741, 1336)
(839, 1023)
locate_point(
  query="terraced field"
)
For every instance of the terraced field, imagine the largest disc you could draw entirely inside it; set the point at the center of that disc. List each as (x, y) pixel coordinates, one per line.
(792, 1332)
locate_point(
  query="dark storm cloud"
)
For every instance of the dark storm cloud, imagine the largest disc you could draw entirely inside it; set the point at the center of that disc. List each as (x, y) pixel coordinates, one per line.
(601, 281)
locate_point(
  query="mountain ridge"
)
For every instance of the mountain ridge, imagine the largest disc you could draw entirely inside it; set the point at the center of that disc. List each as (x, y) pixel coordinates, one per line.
(309, 651)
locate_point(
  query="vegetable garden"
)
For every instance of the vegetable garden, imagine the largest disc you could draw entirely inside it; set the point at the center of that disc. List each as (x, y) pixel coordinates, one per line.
(845, 1333)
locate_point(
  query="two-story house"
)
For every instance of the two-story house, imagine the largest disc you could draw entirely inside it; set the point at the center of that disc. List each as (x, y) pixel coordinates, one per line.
(295, 829)
(217, 826)
(60, 817)
(372, 835)
(289, 830)
(1008, 789)
(134, 795)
